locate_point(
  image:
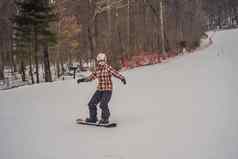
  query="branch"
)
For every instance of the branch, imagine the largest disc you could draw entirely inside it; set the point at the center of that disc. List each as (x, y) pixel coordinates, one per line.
(103, 6)
(152, 8)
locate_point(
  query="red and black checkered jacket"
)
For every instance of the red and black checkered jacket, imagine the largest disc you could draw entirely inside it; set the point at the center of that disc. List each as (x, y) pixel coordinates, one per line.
(103, 74)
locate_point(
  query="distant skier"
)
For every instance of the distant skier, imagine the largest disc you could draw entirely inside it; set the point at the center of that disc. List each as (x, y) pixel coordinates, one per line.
(103, 93)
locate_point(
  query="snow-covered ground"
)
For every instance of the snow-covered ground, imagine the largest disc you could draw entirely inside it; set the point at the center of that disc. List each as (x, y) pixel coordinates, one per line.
(184, 109)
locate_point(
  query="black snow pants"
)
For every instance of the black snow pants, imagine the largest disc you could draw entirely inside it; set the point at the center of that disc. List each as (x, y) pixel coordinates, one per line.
(102, 97)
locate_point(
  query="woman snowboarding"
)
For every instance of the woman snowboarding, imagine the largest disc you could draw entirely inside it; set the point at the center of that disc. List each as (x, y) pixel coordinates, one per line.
(103, 74)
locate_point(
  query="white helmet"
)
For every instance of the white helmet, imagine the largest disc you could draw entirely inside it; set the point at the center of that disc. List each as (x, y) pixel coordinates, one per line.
(101, 57)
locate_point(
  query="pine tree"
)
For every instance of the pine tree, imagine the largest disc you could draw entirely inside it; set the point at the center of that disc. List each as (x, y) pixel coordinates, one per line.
(22, 35)
(33, 22)
(44, 16)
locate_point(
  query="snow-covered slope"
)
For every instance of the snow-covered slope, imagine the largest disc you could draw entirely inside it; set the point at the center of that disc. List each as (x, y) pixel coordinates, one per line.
(184, 109)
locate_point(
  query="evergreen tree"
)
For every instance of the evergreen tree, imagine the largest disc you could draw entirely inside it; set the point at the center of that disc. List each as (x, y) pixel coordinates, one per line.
(33, 22)
(22, 35)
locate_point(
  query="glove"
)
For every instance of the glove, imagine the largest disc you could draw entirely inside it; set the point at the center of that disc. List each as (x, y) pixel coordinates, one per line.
(81, 80)
(123, 81)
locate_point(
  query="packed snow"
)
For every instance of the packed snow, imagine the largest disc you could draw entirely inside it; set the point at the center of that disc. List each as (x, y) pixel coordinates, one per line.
(183, 109)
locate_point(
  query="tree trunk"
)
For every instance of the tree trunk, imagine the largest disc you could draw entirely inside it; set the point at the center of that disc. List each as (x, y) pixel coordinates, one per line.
(92, 40)
(1, 66)
(23, 74)
(31, 71)
(58, 68)
(48, 77)
(12, 58)
(36, 56)
(58, 59)
(62, 65)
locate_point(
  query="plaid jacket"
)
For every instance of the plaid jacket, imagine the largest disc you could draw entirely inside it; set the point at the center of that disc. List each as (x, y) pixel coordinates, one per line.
(103, 74)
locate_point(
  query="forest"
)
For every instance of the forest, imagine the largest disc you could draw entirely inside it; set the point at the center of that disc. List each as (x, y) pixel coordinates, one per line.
(40, 38)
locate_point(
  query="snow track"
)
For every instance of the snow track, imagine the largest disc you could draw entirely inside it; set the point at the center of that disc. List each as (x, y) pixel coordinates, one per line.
(184, 109)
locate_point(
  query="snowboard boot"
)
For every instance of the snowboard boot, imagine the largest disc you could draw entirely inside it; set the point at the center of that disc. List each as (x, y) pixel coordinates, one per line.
(104, 121)
(91, 120)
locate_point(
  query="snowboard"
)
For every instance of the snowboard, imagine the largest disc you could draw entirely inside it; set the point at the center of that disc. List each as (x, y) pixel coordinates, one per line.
(83, 122)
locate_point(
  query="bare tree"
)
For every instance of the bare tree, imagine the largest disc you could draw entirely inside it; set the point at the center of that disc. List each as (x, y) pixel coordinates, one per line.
(6, 44)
